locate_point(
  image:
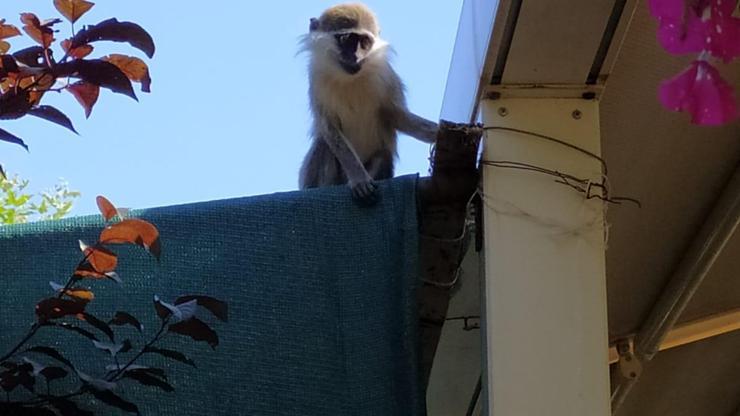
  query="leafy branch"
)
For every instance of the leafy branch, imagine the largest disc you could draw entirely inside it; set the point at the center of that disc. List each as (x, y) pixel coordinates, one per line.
(26, 75)
(68, 306)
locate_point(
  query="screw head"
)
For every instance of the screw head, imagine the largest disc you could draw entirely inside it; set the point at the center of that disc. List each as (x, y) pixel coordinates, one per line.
(503, 111)
(577, 114)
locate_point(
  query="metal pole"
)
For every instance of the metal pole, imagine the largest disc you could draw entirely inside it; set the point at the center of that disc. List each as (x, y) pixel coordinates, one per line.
(706, 247)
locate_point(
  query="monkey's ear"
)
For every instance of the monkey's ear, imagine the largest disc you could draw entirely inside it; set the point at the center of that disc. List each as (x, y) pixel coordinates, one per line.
(314, 25)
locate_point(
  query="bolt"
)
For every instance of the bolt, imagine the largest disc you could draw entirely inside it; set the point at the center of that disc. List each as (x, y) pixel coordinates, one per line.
(577, 114)
(502, 111)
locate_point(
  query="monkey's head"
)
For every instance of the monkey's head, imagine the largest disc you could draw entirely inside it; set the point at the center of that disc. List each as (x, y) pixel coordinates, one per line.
(347, 34)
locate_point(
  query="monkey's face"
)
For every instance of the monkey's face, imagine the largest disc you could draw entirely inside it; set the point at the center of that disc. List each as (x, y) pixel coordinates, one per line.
(353, 48)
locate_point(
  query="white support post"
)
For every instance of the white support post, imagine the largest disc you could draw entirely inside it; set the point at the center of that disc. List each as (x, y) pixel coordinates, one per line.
(546, 319)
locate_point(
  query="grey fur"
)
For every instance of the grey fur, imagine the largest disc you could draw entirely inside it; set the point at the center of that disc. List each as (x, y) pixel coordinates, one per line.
(355, 116)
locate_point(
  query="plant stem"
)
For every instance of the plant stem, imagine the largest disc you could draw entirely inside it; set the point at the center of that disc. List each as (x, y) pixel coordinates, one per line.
(156, 338)
(35, 327)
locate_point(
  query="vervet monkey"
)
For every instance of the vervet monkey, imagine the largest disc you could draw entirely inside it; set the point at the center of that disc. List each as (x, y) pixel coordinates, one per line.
(357, 101)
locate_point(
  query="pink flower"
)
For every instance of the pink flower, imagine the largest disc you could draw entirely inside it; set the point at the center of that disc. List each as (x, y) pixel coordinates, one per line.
(723, 39)
(687, 26)
(701, 92)
(681, 29)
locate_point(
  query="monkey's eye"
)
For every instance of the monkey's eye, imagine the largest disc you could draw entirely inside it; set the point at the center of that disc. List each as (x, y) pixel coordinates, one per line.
(366, 42)
(342, 38)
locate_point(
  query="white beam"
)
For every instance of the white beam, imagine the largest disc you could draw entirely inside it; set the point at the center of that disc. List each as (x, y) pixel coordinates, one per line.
(473, 57)
(546, 321)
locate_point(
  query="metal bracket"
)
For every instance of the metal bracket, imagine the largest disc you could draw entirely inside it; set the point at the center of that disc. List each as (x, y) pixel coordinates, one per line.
(629, 365)
(585, 91)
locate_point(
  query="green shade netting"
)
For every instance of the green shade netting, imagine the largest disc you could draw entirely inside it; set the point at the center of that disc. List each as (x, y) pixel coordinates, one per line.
(321, 298)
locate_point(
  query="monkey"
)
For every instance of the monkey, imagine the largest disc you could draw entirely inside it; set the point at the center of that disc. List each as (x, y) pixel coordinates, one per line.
(358, 104)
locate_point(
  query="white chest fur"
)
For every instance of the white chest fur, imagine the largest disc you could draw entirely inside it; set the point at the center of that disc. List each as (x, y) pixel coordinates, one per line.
(355, 101)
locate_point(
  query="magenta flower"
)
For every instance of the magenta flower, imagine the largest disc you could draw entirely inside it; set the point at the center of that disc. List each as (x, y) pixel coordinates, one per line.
(680, 28)
(701, 92)
(687, 26)
(723, 39)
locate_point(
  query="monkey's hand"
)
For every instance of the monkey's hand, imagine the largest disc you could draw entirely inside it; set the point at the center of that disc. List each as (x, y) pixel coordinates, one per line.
(365, 192)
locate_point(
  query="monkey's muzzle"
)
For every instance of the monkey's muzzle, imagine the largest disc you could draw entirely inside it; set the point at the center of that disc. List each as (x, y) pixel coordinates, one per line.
(351, 66)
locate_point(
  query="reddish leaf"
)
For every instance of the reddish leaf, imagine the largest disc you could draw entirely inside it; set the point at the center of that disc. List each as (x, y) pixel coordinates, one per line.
(42, 82)
(86, 271)
(134, 68)
(124, 318)
(53, 373)
(54, 308)
(217, 307)
(146, 378)
(101, 73)
(116, 31)
(74, 328)
(97, 323)
(85, 295)
(73, 9)
(106, 207)
(14, 104)
(78, 52)
(41, 32)
(31, 56)
(8, 64)
(172, 354)
(51, 352)
(133, 231)
(110, 398)
(50, 113)
(67, 407)
(86, 94)
(19, 375)
(197, 330)
(80, 294)
(7, 137)
(101, 259)
(8, 30)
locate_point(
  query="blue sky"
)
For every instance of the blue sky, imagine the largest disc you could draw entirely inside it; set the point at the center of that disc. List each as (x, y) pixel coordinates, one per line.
(228, 113)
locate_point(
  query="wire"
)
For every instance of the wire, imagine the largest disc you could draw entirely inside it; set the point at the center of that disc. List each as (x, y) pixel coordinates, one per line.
(590, 188)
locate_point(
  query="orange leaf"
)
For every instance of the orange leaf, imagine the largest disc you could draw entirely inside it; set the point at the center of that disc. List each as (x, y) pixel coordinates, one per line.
(39, 31)
(86, 94)
(43, 82)
(101, 259)
(8, 31)
(7, 83)
(106, 207)
(134, 68)
(73, 9)
(81, 294)
(133, 231)
(87, 271)
(78, 52)
(4, 47)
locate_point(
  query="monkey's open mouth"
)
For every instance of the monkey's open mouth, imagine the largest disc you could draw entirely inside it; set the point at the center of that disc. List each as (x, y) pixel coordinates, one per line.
(350, 67)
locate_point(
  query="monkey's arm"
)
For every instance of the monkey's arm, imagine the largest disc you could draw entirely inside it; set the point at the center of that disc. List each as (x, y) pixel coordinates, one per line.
(363, 187)
(416, 127)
